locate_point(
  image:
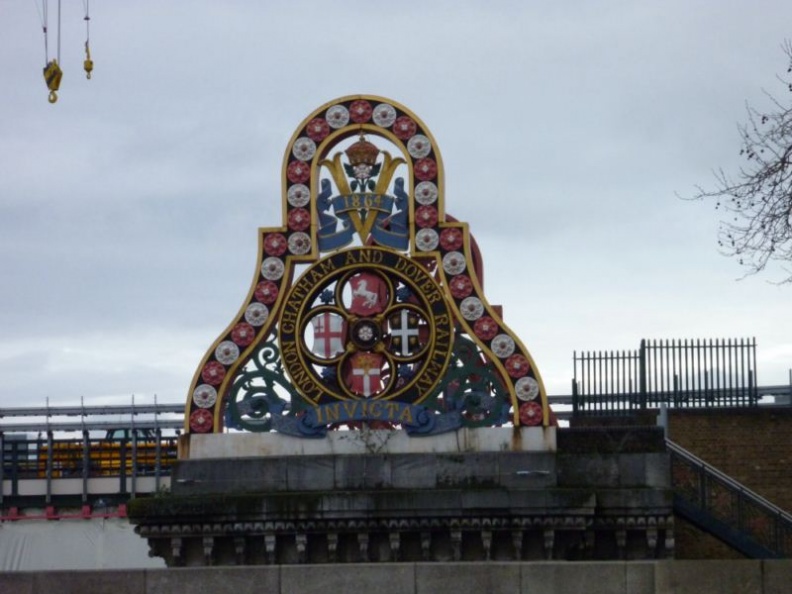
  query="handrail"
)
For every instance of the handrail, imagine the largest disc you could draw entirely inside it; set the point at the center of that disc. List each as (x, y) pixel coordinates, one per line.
(724, 478)
(743, 518)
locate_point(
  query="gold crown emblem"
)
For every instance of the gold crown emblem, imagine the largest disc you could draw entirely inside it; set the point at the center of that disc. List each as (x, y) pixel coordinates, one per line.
(362, 153)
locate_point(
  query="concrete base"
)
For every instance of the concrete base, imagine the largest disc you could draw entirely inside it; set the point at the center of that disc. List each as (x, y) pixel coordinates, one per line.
(195, 446)
(660, 577)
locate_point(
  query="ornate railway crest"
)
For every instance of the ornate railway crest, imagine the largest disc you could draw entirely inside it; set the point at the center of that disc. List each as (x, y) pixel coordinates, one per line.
(386, 323)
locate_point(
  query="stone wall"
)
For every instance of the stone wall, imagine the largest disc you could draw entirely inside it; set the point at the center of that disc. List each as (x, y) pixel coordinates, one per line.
(604, 495)
(661, 577)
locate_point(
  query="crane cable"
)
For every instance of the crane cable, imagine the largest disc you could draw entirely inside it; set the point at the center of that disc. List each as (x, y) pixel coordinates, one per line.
(88, 63)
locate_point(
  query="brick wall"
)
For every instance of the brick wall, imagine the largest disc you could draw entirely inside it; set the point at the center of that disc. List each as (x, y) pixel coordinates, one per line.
(753, 446)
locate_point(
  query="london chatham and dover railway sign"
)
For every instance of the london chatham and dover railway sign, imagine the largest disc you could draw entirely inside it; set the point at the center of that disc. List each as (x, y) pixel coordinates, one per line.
(386, 323)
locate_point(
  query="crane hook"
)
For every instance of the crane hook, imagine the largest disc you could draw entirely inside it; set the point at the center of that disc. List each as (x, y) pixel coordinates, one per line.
(88, 64)
(52, 76)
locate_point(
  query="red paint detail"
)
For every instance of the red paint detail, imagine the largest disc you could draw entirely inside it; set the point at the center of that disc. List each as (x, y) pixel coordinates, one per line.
(317, 129)
(485, 328)
(275, 244)
(213, 373)
(298, 172)
(299, 219)
(266, 292)
(425, 169)
(404, 128)
(426, 216)
(360, 111)
(460, 286)
(517, 366)
(531, 413)
(451, 239)
(243, 334)
(201, 421)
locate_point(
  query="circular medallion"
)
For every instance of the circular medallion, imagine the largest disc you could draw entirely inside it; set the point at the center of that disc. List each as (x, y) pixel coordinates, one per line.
(460, 286)
(337, 117)
(347, 334)
(266, 292)
(299, 243)
(213, 373)
(298, 172)
(531, 414)
(426, 193)
(527, 388)
(275, 244)
(472, 308)
(404, 127)
(272, 268)
(419, 146)
(454, 263)
(227, 352)
(256, 314)
(304, 149)
(503, 346)
(298, 195)
(360, 111)
(517, 366)
(201, 421)
(451, 239)
(243, 334)
(299, 219)
(365, 333)
(317, 129)
(426, 216)
(205, 396)
(426, 240)
(425, 169)
(485, 328)
(384, 115)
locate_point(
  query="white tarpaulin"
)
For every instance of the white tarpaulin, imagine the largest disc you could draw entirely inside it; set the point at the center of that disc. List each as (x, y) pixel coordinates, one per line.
(30, 545)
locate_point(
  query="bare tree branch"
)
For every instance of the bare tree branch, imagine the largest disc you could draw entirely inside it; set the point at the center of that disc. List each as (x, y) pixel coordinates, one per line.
(758, 199)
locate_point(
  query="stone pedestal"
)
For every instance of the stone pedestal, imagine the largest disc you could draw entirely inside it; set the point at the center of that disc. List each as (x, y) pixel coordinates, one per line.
(583, 494)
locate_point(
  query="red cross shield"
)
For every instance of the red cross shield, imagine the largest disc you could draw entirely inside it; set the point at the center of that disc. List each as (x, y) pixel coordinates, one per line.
(329, 333)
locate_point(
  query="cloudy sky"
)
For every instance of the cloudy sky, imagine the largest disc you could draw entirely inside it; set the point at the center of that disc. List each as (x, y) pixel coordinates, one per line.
(129, 210)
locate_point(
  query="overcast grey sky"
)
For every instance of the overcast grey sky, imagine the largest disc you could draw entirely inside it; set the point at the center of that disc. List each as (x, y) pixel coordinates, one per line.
(129, 210)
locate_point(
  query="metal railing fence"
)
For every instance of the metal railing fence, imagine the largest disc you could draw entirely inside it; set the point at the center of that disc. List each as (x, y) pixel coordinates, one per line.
(676, 373)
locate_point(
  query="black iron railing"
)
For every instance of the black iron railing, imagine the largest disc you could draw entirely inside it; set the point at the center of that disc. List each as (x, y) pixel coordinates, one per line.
(675, 373)
(723, 507)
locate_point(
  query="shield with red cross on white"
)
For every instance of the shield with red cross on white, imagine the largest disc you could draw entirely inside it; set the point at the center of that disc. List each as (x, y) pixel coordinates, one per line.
(329, 333)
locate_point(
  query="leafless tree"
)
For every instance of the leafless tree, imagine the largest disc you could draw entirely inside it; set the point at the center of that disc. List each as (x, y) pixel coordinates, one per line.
(758, 199)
